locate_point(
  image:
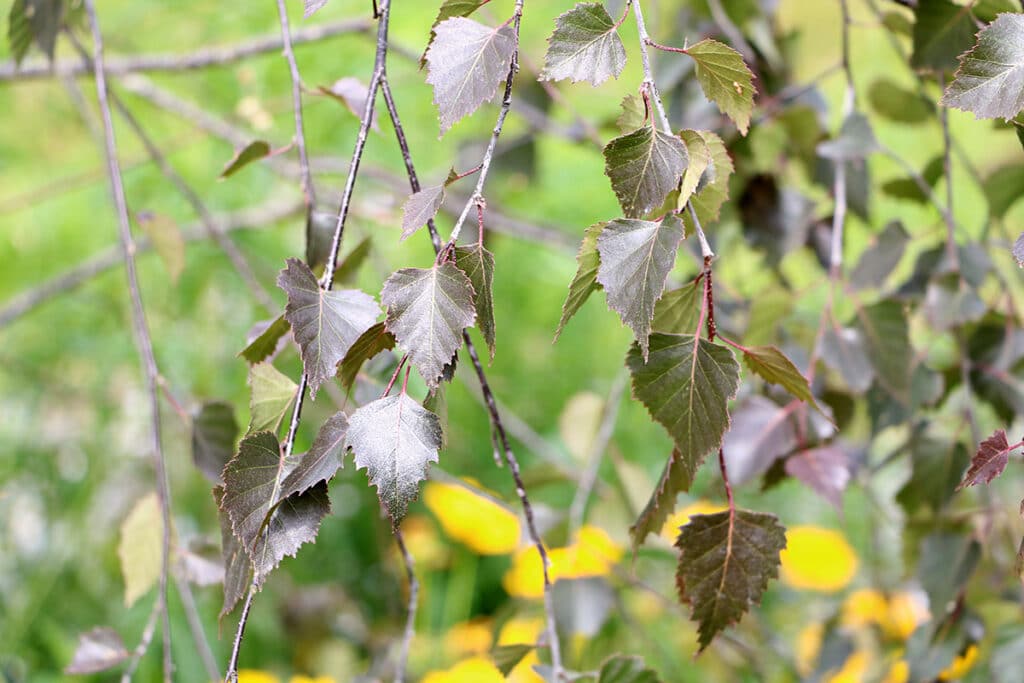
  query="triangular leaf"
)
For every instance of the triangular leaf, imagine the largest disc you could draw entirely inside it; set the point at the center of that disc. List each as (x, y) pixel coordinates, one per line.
(943, 31)
(293, 522)
(98, 650)
(375, 340)
(881, 258)
(678, 310)
(825, 470)
(323, 459)
(478, 264)
(725, 562)
(449, 9)
(214, 431)
(324, 324)
(584, 47)
(687, 384)
(395, 439)
(465, 64)
(856, 140)
(990, 80)
(725, 80)
(623, 669)
(989, 461)
(675, 479)
(773, 366)
(264, 345)
(420, 207)
(636, 257)
(644, 166)
(507, 657)
(708, 199)
(254, 151)
(141, 548)
(427, 311)
(251, 485)
(584, 283)
(237, 565)
(271, 397)
(700, 161)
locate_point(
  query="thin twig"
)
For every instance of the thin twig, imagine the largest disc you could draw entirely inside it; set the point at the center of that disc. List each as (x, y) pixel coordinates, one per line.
(947, 168)
(142, 337)
(300, 135)
(144, 642)
(577, 510)
(410, 618)
(195, 623)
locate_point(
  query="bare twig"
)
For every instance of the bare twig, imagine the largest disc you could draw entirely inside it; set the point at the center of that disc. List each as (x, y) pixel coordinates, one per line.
(947, 168)
(144, 642)
(140, 326)
(410, 616)
(300, 135)
(196, 625)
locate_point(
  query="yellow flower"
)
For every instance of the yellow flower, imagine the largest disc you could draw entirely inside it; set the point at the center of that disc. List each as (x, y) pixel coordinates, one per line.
(255, 676)
(308, 679)
(523, 632)
(670, 532)
(817, 559)
(468, 638)
(472, 670)
(423, 543)
(525, 578)
(808, 646)
(899, 672)
(864, 607)
(482, 525)
(592, 554)
(960, 665)
(853, 670)
(906, 611)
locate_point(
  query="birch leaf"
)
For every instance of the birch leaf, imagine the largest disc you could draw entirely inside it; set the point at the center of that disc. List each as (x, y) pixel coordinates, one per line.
(585, 46)
(141, 548)
(990, 80)
(584, 283)
(214, 431)
(254, 151)
(420, 207)
(675, 479)
(375, 340)
(98, 650)
(989, 461)
(725, 80)
(271, 396)
(323, 459)
(478, 264)
(644, 166)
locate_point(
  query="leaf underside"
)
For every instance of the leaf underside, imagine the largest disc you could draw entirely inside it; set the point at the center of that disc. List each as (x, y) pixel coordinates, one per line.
(990, 80)
(989, 461)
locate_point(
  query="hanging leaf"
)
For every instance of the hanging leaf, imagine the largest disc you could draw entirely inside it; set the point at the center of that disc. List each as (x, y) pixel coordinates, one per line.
(584, 47)
(36, 21)
(887, 343)
(465, 64)
(265, 344)
(675, 479)
(844, 350)
(214, 431)
(990, 80)
(950, 301)
(163, 232)
(478, 264)
(633, 116)
(725, 80)
(323, 459)
(938, 465)
(584, 283)
(352, 93)
(644, 166)
(623, 669)
(324, 324)
(678, 311)
(237, 564)
(990, 460)
(855, 141)
(420, 208)
(825, 470)
(881, 258)
(725, 562)
(98, 650)
(141, 548)
(449, 9)
(686, 385)
(271, 396)
(699, 162)
(775, 367)
(254, 151)
(507, 657)
(635, 259)
(395, 439)
(294, 521)
(708, 199)
(943, 31)
(375, 340)
(760, 433)
(899, 104)
(945, 564)
(427, 311)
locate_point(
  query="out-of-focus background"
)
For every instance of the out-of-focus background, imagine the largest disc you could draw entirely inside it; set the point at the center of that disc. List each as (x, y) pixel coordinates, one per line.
(73, 414)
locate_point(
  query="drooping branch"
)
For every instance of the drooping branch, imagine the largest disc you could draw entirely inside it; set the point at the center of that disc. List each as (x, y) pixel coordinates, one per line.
(143, 339)
(300, 135)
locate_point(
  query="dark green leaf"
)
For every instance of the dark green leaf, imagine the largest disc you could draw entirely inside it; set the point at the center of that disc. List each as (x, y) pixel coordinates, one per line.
(98, 650)
(323, 459)
(773, 366)
(989, 461)
(478, 264)
(678, 311)
(507, 657)
(899, 104)
(883, 326)
(644, 166)
(988, 10)
(709, 197)
(370, 343)
(855, 141)
(34, 20)
(686, 384)
(251, 485)
(346, 270)
(465, 64)
(295, 520)
(254, 151)
(584, 47)
(937, 467)
(325, 324)
(725, 80)
(623, 669)
(946, 562)
(725, 562)
(584, 283)
(825, 470)
(775, 220)
(990, 80)
(635, 260)
(427, 311)
(266, 343)
(271, 396)
(420, 208)
(237, 565)
(943, 31)
(881, 258)
(395, 439)
(1003, 189)
(214, 431)
(675, 478)
(907, 188)
(951, 302)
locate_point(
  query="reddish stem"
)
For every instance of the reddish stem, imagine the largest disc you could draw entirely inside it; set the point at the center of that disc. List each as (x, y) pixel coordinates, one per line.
(725, 481)
(394, 376)
(667, 48)
(709, 298)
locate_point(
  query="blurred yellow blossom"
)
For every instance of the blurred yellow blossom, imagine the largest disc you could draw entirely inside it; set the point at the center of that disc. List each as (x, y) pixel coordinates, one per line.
(864, 607)
(899, 672)
(472, 670)
(593, 553)
(905, 613)
(423, 543)
(854, 669)
(468, 638)
(807, 647)
(670, 532)
(519, 631)
(818, 559)
(255, 676)
(308, 679)
(482, 525)
(961, 664)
